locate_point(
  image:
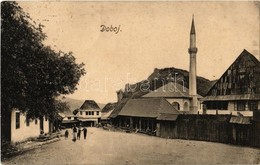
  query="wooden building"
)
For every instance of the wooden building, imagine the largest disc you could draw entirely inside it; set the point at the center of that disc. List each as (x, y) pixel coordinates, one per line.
(238, 90)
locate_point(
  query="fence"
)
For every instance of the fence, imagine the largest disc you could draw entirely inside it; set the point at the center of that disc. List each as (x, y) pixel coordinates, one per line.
(215, 128)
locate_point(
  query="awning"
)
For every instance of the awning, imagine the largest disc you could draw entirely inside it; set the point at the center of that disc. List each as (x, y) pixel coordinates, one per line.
(240, 120)
(88, 119)
(69, 121)
(232, 97)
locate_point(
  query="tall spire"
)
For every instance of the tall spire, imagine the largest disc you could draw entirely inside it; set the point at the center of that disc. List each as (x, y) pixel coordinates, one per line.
(192, 30)
(192, 48)
(193, 69)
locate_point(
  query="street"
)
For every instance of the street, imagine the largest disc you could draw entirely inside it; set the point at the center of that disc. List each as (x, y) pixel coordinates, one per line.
(105, 147)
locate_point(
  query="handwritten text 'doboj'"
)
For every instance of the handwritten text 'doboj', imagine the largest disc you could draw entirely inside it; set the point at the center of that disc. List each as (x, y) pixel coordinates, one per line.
(105, 28)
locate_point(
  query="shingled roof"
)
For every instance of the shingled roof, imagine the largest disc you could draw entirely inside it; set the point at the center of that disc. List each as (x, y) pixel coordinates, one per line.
(241, 81)
(89, 104)
(147, 107)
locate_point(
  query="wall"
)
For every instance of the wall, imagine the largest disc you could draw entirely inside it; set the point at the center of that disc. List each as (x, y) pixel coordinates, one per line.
(181, 102)
(231, 109)
(220, 112)
(24, 132)
(46, 125)
(95, 116)
(231, 106)
(200, 105)
(72, 118)
(89, 120)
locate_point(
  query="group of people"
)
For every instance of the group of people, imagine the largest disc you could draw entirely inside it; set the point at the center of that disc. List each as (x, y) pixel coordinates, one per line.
(76, 133)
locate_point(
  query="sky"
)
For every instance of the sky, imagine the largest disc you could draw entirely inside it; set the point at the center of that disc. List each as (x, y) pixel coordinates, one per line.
(146, 35)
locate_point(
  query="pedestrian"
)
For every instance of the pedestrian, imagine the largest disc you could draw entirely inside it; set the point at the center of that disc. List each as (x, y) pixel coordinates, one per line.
(85, 131)
(79, 133)
(74, 129)
(66, 134)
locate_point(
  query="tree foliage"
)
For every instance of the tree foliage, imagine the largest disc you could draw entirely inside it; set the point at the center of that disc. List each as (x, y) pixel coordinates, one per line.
(32, 75)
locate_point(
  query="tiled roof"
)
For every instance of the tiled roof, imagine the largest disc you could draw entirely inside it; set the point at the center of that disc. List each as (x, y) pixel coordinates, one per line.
(147, 107)
(173, 90)
(118, 108)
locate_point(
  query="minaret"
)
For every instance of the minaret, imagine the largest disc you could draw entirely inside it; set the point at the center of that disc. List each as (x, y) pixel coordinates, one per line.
(193, 70)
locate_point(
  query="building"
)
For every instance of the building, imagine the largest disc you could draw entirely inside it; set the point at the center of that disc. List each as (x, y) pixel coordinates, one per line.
(69, 117)
(89, 114)
(23, 128)
(69, 120)
(238, 90)
(106, 112)
(177, 95)
(141, 114)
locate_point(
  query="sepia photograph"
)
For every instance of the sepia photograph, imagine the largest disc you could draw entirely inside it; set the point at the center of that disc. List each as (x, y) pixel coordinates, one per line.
(130, 82)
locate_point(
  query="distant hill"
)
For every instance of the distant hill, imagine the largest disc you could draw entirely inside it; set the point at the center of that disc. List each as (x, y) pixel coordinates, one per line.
(74, 103)
(158, 78)
(162, 76)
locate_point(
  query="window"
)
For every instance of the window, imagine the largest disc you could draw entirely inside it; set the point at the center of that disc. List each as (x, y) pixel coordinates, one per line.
(97, 112)
(17, 120)
(241, 106)
(80, 112)
(220, 105)
(36, 121)
(252, 105)
(92, 113)
(86, 113)
(69, 118)
(176, 105)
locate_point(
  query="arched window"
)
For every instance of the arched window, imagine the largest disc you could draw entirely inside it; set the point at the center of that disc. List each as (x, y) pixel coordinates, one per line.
(176, 105)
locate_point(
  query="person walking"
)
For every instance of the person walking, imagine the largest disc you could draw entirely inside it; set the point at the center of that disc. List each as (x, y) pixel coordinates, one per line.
(74, 129)
(79, 133)
(66, 134)
(85, 131)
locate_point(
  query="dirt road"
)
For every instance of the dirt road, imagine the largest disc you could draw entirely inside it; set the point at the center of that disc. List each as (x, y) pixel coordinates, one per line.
(104, 147)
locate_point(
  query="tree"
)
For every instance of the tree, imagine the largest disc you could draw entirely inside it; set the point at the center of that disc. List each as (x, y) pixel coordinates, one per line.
(32, 74)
